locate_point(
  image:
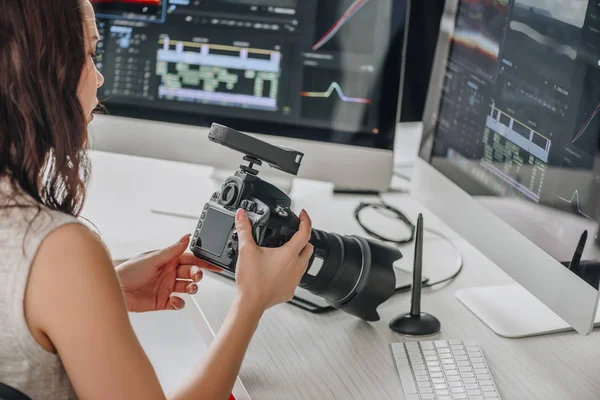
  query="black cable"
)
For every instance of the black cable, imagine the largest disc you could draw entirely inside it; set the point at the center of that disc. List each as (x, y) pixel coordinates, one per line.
(450, 278)
(447, 279)
(383, 206)
(460, 260)
(398, 215)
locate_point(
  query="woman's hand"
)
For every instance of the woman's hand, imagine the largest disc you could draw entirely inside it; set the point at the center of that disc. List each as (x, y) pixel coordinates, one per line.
(149, 280)
(269, 276)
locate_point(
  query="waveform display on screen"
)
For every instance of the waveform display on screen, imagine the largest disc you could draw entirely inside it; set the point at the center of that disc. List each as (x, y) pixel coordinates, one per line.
(350, 12)
(586, 124)
(344, 96)
(336, 87)
(574, 200)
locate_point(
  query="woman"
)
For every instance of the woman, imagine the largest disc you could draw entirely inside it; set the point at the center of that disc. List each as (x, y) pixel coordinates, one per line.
(64, 328)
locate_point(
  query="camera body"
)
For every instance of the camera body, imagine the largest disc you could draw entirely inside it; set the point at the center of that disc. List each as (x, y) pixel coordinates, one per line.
(355, 273)
(268, 208)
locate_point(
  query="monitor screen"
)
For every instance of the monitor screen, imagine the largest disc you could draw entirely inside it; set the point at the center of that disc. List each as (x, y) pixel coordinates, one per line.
(327, 70)
(519, 115)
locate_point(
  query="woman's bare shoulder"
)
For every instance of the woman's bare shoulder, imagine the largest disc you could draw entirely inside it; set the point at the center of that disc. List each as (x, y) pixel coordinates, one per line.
(71, 242)
(71, 262)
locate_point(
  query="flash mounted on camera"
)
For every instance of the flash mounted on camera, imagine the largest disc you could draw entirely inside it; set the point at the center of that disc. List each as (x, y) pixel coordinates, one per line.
(256, 151)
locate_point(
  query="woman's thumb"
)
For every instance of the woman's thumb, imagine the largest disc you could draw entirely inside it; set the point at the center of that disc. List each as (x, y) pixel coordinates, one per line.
(243, 227)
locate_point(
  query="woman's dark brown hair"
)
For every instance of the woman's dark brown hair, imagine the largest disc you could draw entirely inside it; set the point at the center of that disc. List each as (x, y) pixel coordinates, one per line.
(43, 135)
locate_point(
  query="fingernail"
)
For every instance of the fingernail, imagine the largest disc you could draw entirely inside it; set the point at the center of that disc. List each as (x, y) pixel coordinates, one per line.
(185, 238)
(239, 215)
(197, 277)
(192, 289)
(175, 305)
(303, 213)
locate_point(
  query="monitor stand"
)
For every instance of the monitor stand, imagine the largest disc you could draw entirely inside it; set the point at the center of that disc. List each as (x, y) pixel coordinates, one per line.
(512, 312)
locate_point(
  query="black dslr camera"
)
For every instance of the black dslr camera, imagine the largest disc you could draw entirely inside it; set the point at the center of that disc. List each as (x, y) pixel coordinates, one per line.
(355, 274)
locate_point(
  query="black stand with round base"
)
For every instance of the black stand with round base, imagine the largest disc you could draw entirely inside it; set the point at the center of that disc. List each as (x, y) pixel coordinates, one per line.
(416, 325)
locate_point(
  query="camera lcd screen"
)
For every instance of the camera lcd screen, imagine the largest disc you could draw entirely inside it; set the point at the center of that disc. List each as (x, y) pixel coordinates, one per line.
(215, 231)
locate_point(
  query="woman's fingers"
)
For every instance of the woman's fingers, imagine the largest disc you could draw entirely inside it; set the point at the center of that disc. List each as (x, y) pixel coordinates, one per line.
(306, 253)
(175, 303)
(167, 254)
(243, 226)
(185, 287)
(190, 259)
(192, 272)
(304, 258)
(300, 238)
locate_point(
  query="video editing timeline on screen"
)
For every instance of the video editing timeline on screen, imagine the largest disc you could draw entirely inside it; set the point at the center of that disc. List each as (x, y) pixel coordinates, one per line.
(522, 100)
(310, 62)
(210, 73)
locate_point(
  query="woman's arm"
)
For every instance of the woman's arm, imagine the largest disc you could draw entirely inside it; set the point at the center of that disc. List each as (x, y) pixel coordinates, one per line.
(74, 300)
(264, 277)
(214, 378)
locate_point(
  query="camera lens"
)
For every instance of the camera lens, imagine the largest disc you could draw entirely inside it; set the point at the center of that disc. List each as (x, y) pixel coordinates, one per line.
(356, 274)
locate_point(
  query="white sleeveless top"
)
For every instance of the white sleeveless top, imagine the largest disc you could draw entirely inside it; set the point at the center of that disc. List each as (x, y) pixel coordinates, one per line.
(24, 364)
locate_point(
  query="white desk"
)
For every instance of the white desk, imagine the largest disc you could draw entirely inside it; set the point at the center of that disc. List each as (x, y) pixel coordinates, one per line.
(298, 355)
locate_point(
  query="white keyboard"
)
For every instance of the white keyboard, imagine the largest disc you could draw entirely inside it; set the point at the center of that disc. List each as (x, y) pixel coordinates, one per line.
(443, 370)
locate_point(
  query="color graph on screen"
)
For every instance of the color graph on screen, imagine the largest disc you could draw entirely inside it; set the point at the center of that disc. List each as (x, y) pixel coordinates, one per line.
(329, 93)
(586, 125)
(350, 12)
(346, 25)
(336, 87)
(575, 202)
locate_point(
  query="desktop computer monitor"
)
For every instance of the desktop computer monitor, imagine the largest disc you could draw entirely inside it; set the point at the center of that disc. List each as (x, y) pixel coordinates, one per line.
(323, 76)
(509, 154)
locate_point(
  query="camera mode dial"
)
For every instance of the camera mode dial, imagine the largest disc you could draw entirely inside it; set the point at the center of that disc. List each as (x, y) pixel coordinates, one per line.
(248, 205)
